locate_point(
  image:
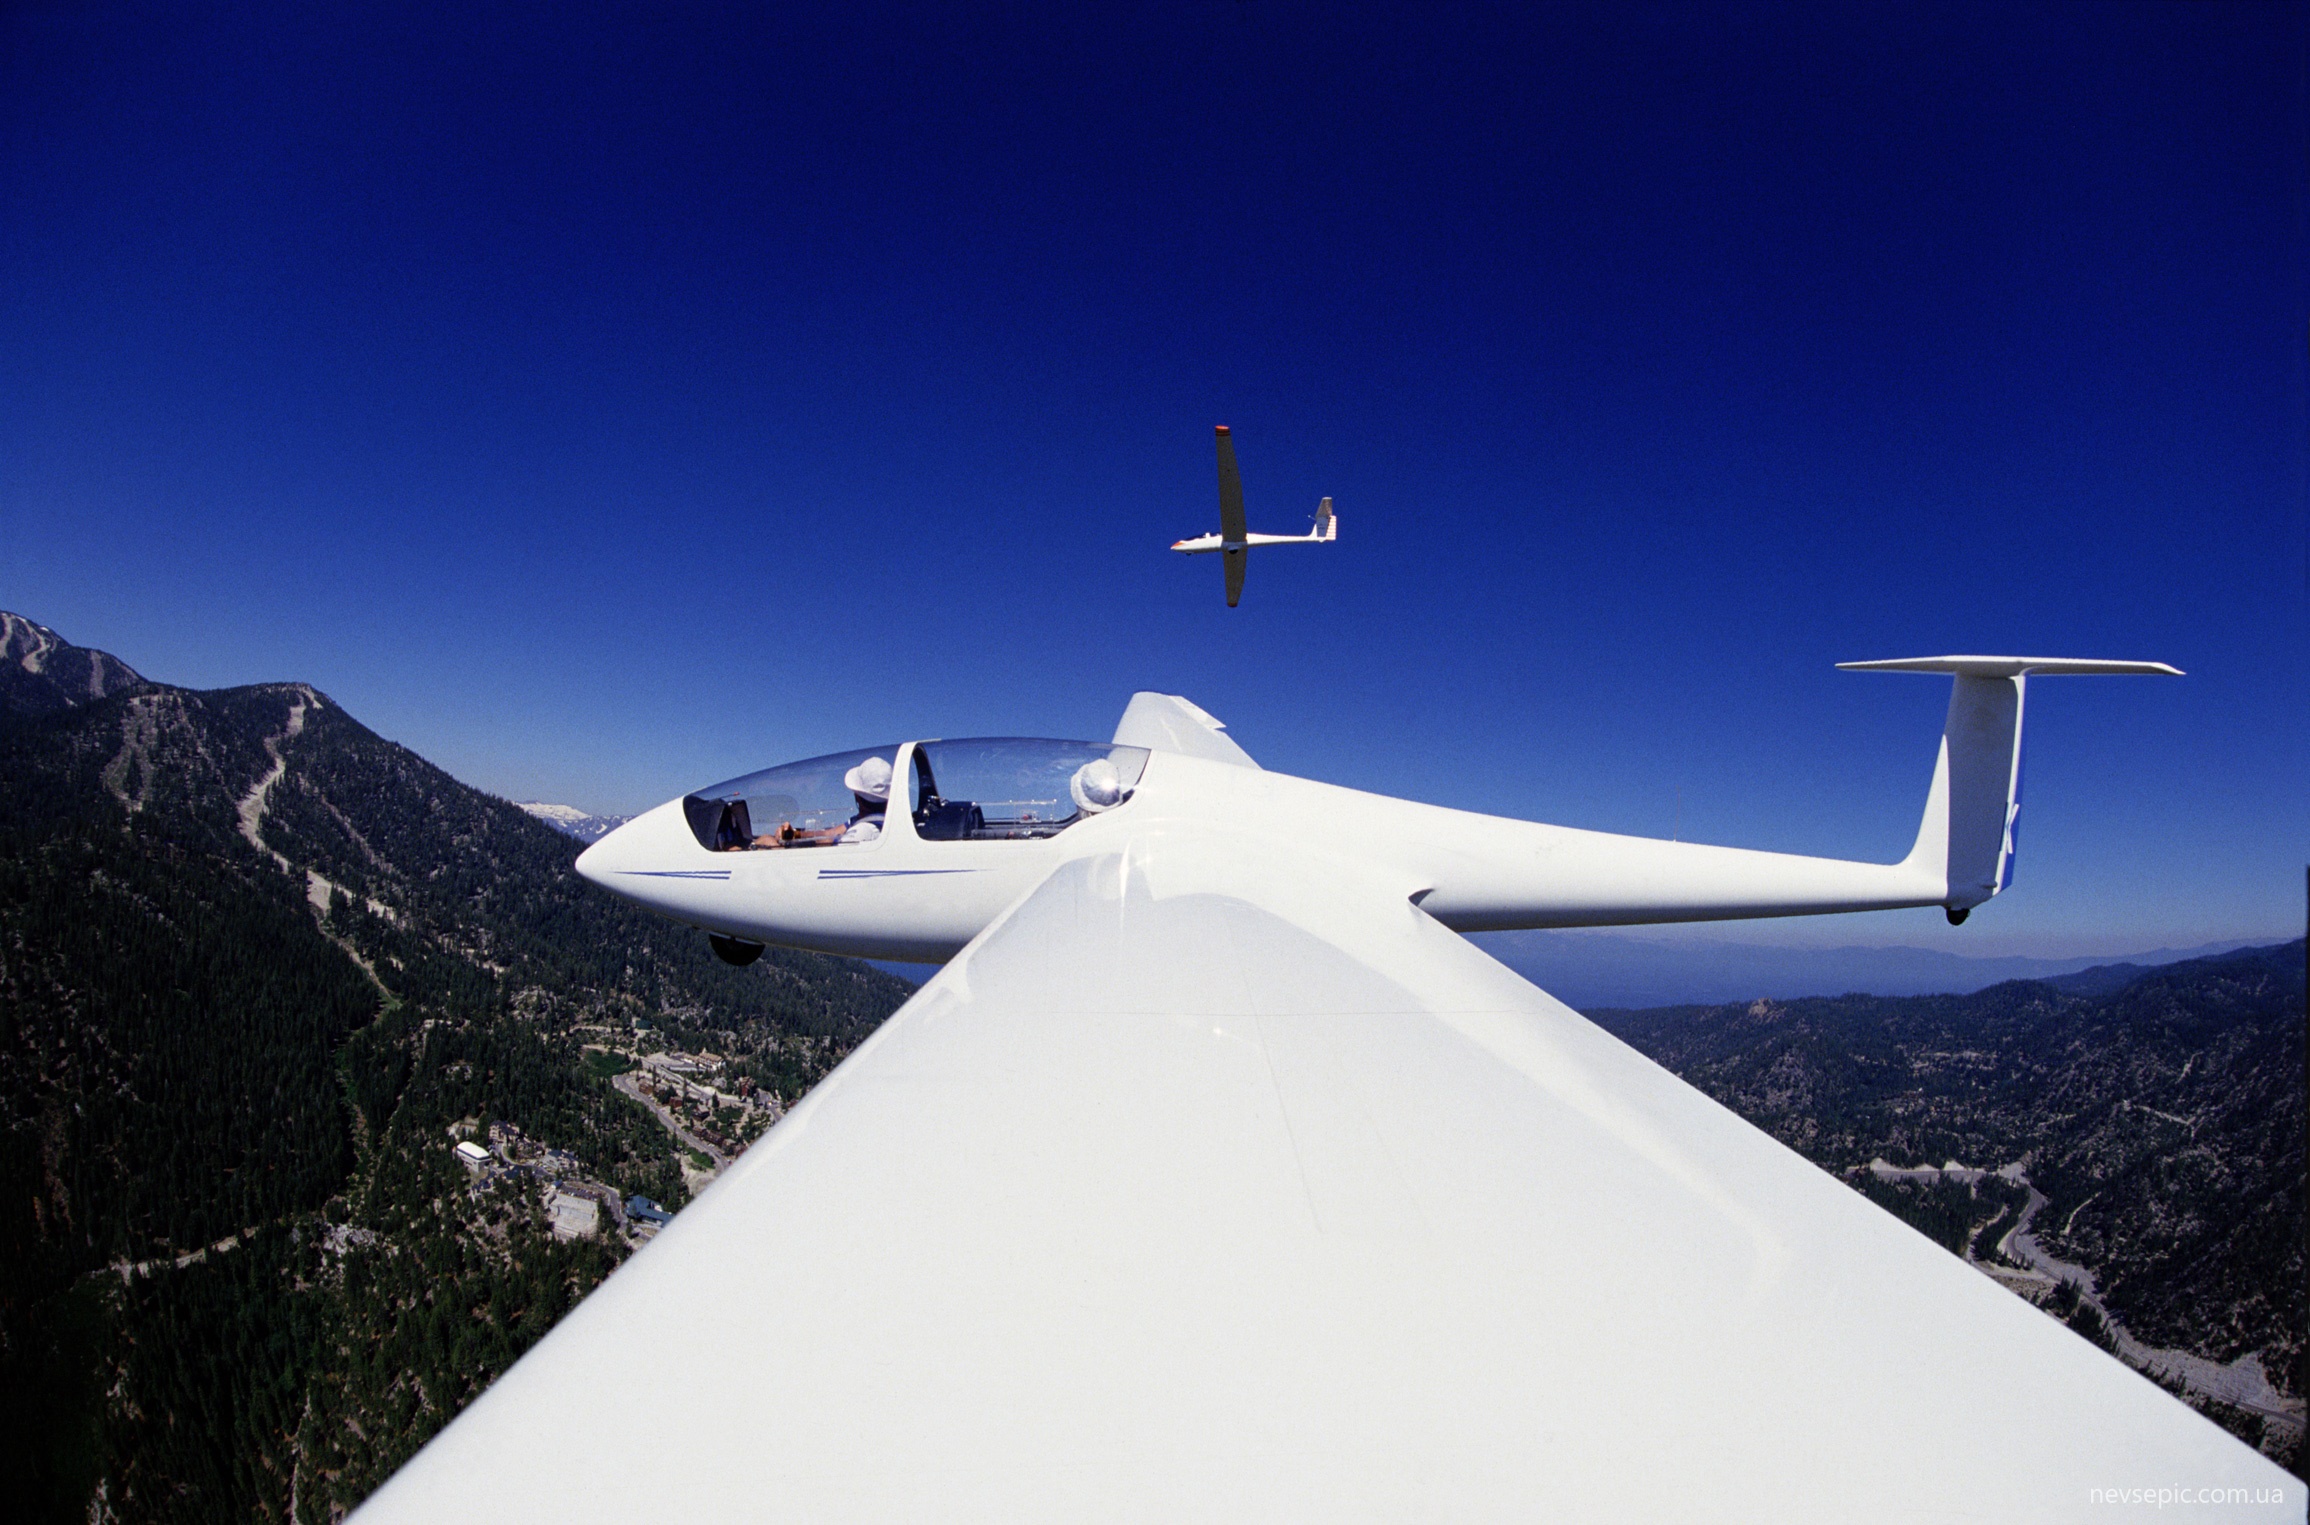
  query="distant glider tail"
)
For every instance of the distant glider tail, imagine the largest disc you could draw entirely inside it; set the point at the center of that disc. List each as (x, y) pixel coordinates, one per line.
(1973, 810)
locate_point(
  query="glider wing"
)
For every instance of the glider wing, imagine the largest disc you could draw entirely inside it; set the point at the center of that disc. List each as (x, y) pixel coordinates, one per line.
(1214, 1181)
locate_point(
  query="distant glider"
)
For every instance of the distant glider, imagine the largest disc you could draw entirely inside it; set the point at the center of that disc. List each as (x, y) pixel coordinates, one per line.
(1233, 540)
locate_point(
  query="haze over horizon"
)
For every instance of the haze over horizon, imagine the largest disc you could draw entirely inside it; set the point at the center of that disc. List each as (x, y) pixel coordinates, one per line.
(603, 402)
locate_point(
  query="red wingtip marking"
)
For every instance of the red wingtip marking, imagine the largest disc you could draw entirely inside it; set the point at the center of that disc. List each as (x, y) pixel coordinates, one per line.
(1223, 428)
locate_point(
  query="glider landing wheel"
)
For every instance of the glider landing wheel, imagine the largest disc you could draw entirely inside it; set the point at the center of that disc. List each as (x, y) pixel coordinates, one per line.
(731, 950)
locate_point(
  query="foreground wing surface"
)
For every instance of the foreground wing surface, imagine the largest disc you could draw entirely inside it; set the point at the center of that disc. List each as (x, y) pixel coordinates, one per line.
(1213, 1182)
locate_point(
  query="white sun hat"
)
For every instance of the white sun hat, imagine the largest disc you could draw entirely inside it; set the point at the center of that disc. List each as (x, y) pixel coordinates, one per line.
(1096, 786)
(870, 780)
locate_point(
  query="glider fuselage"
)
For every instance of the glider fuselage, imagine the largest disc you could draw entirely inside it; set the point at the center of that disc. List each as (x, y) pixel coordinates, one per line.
(902, 896)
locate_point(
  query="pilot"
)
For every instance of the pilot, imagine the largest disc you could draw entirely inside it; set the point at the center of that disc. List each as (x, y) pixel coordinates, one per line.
(869, 786)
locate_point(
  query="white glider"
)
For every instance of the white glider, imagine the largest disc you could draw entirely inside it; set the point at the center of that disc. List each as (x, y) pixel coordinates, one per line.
(1215, 1177)
(1233, 540)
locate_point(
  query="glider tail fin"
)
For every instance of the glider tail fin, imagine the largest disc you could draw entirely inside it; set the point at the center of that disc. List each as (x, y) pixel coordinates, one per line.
(1973, 811)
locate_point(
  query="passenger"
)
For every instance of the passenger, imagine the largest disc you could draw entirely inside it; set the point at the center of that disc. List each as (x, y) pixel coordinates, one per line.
(869, 786)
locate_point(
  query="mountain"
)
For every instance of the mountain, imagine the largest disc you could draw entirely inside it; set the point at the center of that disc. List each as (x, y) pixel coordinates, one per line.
(1584, 969)
(571, 821)
(260, 970)
(41, 672)
(2106, 979)
(2159, 1115)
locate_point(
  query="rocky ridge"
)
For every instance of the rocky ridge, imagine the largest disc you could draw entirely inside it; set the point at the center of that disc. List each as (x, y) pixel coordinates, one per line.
(41, 672)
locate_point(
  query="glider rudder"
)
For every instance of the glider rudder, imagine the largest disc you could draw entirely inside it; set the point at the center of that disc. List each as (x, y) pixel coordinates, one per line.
(1973, 810)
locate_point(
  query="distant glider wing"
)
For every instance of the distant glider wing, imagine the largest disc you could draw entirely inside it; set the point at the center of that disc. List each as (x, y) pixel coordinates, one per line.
(1217, 1182)
(1231, 522)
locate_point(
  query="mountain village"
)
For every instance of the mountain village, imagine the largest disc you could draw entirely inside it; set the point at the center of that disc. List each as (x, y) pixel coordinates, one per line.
(710, 1115)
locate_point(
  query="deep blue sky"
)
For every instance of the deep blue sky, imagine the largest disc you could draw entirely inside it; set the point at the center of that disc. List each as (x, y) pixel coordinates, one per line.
(604, 400)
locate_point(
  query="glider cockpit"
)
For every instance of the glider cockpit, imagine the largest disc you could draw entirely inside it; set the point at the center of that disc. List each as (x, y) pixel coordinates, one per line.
(983, 789)
(1005, 788)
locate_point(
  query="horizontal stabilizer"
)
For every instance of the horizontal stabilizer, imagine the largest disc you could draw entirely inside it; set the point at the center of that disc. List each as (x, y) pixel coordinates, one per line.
(2013, 667)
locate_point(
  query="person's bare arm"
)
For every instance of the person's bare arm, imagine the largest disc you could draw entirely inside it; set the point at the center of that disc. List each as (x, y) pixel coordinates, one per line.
(789, 835)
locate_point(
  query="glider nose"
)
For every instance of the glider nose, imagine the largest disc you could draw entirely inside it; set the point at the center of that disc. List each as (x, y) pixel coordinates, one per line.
(633, 854)
(618, 849)
(593, 863)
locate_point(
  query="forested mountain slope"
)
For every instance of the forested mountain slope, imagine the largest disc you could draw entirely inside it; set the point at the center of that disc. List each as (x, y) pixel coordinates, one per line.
(255, 964)
(2162, 1119)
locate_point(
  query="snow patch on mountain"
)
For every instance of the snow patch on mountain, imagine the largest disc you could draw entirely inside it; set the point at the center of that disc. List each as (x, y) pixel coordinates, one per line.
(572, 821)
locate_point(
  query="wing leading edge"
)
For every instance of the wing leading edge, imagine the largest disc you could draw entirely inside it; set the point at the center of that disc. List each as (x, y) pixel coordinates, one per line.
(1213, 1182)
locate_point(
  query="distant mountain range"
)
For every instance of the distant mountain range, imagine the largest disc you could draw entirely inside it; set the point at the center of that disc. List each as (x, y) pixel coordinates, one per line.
(1590, 970)
(571, 821)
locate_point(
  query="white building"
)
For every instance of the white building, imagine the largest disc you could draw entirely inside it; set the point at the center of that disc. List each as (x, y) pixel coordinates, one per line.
(572, 1217)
